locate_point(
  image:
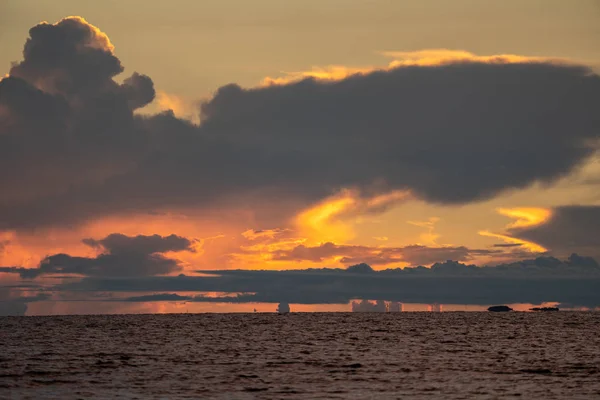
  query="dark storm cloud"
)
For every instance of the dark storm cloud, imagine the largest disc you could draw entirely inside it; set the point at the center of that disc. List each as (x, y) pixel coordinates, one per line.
(71, 148)
(12, 308)
(17, 305)
(352, 254)
(571, 228)
(121, 256)
(575, 280)
(451, 133)
(160, 297)
(118, 243)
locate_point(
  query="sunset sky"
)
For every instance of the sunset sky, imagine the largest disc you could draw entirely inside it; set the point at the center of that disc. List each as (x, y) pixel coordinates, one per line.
(144, 140)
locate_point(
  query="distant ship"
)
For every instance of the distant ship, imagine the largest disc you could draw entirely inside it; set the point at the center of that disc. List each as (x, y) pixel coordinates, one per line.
(544, 309)
(283, 308)
(499, 309)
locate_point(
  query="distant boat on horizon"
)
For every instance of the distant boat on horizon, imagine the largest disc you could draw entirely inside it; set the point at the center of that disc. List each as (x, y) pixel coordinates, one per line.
(283, 308)
(544, 309)
(499, 309)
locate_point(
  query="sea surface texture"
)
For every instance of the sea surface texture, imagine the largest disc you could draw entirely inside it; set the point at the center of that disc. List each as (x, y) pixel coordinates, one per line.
(302, 356)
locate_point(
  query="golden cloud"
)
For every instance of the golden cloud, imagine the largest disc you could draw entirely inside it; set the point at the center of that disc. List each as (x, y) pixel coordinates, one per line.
(524, 217)
(421, 58)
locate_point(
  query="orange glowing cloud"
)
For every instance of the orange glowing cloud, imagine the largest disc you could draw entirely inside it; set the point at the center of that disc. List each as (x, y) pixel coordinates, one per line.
(526, 217)
(252, 234)
(530, 246)
(331, 220)
(180, 106)
(321, 223)
(432, 57)
(328, 73)
(430, 237)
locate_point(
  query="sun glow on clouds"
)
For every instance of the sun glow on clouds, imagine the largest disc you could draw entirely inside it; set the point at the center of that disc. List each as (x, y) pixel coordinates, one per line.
(429, 237)
(98, 39)
(320, 224)
(533, 247)
(181, 106)
(332, 219)
(422, 58)
(524, 218)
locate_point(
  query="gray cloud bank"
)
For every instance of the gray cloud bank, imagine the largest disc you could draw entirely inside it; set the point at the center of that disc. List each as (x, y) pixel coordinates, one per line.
(16, 306)
(575, 280)
(120, 255)
(71, 148)
(571, 228)
(351, 254)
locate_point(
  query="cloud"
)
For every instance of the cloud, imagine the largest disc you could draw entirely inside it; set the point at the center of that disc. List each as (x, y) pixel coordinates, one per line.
(352, 254)
(329, 218)
(422, 58)
(570, 228)
(574, 280)
(367, 306)
(117, 243)
(381, 238)
(430, 236)
(11, 305)
(525, 217)
(466, 129)
(529, 246)
(263, 234)
(12, 308)
(120, 256)
(67, 57)
(160, 297)
(64, 122)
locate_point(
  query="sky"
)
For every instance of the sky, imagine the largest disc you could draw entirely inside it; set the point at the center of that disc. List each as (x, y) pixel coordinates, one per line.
(143, 144)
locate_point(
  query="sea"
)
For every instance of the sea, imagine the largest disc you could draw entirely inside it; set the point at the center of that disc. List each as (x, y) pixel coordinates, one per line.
(404, 355)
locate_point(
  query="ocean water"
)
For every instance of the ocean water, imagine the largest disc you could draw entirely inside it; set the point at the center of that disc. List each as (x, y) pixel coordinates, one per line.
(453, 355)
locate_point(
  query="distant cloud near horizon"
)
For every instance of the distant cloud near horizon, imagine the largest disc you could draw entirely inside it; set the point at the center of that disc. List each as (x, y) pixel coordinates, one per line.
(71, 148)
(543, 279)
(352, 254)
(120, 255)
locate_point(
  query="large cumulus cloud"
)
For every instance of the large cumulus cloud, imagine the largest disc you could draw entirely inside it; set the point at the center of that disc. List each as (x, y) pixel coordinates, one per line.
(71, 147)
(64, 121)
